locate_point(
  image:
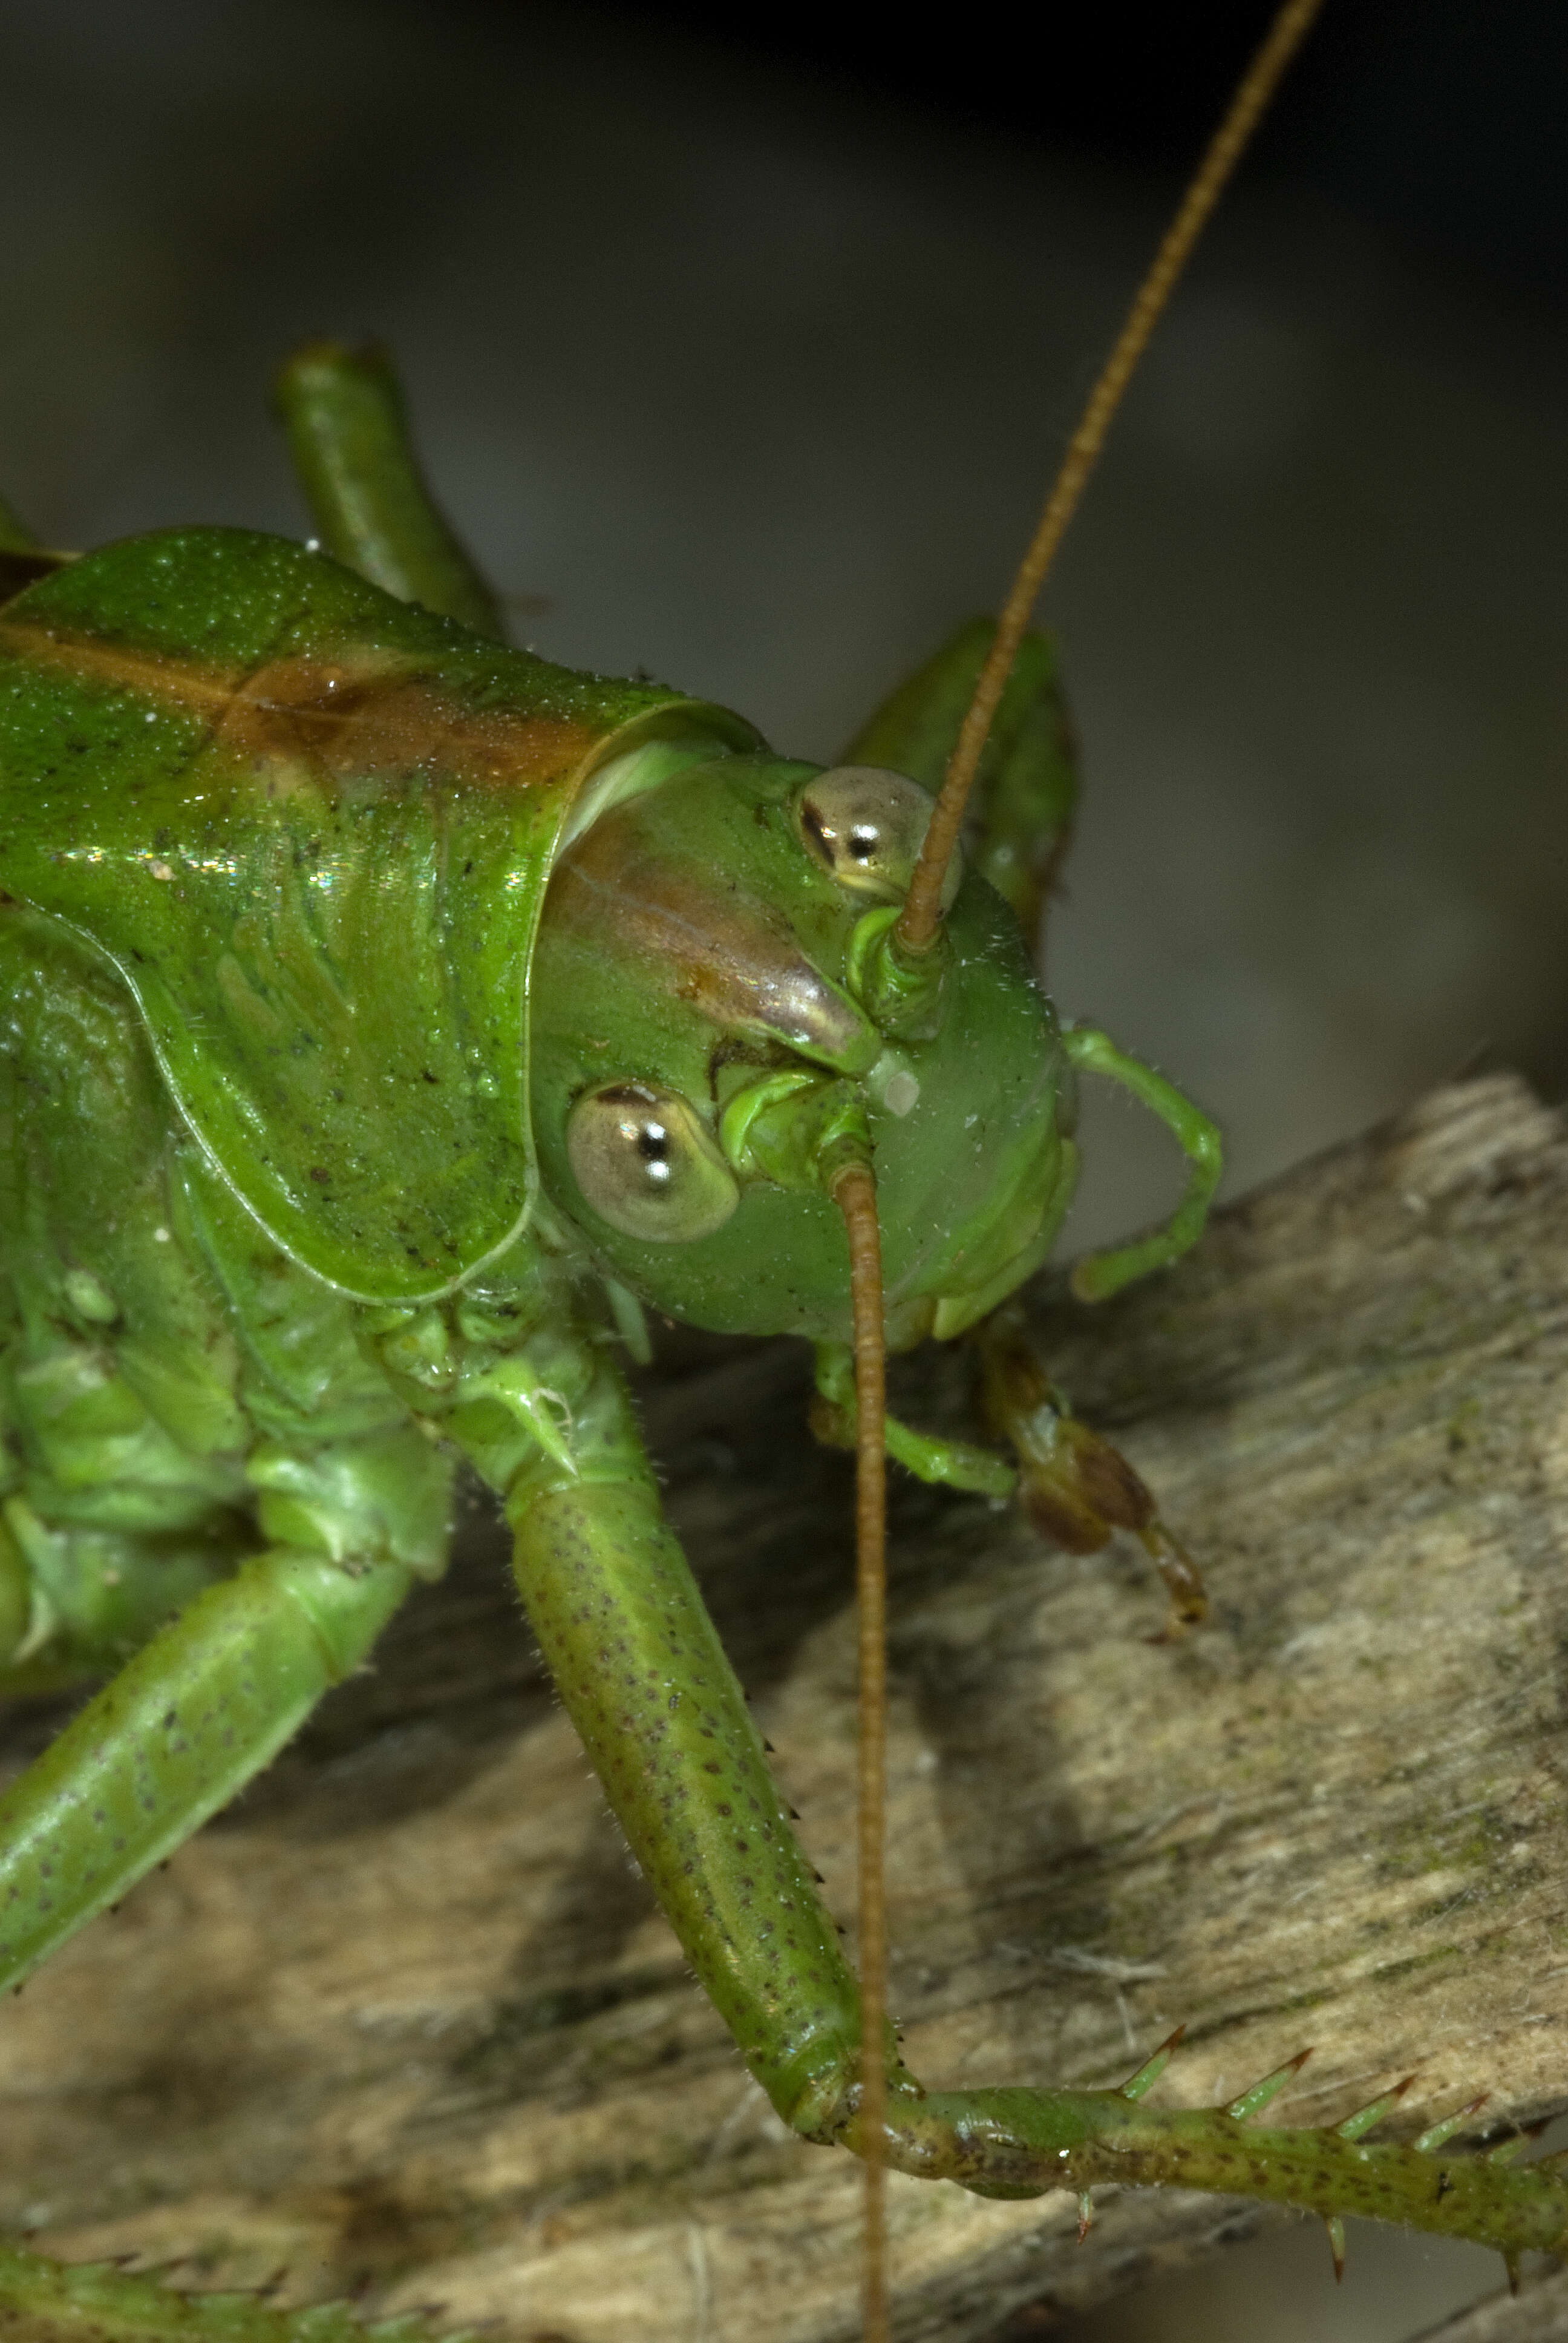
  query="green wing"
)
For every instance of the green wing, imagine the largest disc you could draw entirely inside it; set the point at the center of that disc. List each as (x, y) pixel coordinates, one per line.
(312, 828)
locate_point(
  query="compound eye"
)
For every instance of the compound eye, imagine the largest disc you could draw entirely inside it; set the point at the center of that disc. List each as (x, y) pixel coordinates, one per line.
(647, 1164)
(866, 826)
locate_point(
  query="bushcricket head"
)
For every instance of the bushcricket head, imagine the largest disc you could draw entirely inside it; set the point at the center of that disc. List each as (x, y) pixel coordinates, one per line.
(710, 1017)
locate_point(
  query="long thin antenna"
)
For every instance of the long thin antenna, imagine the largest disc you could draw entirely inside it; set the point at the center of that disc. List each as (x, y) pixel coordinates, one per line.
(921, 915)
(855, 1193)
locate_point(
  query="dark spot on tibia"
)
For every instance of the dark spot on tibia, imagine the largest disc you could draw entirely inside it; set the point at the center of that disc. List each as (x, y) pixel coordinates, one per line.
(320, 1173)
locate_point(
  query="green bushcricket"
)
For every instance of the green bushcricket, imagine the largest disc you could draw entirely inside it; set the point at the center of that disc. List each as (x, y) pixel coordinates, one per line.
(390, 1016)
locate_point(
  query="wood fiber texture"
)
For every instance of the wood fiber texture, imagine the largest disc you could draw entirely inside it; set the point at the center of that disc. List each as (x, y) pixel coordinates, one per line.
(1540, 2315)
(406, 2020)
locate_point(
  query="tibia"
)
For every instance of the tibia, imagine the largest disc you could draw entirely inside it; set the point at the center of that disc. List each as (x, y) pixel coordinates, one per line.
(952, 1463)
(1022, 2143)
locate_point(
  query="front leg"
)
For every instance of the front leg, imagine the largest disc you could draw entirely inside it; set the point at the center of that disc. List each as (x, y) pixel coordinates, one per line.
(639, 1665)
(643, 1676)
(1075, 1486)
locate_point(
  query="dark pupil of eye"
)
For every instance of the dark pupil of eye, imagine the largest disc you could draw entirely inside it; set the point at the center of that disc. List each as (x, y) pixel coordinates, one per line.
(653, 1143)
(863, 843)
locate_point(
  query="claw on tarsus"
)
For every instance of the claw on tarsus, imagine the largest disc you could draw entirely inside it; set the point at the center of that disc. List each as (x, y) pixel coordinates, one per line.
(1254, 2101)
(1076, 1487)
(1336, 2230)
(1149, 2074)
(1085, 2215)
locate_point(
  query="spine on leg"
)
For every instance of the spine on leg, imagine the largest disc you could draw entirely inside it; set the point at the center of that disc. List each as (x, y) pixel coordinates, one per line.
(1022, 2143)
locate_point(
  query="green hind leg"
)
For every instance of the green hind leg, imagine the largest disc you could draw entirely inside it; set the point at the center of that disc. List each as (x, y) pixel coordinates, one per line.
(641, 1672)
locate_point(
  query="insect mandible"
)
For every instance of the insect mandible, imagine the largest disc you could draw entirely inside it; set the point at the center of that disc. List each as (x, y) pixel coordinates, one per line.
(307, 900)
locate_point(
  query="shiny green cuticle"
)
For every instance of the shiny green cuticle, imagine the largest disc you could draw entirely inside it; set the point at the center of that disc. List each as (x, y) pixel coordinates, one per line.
(322, 912)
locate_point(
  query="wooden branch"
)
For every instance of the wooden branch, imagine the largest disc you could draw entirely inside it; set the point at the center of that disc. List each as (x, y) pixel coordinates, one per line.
(406, 2020)
(1540, 2315)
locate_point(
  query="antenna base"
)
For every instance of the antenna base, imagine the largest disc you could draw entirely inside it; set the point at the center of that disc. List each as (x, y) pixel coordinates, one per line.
(900, 990)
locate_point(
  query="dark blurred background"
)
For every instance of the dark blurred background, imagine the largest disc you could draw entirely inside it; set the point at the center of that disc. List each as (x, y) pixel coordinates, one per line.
(750, 348)
(747, 347)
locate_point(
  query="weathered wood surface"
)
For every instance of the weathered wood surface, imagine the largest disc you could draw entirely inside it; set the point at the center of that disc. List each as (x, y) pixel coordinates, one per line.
(405, 2019)
(1540, 2315)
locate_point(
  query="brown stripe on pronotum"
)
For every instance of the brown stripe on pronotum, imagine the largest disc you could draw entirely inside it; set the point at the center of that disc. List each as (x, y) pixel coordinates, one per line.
(361, 712)
(917, 930)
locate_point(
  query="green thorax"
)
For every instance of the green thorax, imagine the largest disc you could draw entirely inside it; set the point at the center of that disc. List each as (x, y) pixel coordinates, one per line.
(311, 827)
